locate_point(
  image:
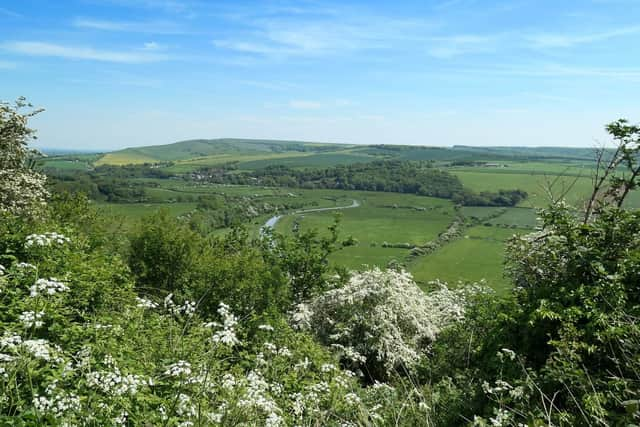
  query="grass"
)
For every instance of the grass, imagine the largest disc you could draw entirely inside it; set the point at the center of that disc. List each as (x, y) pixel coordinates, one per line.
(376, 222)
(478, 255)
(135, 211)
(533, 184)
(519, 217)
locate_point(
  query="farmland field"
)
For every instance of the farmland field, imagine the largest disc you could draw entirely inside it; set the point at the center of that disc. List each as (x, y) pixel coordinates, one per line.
(479, 254)
(383, 228)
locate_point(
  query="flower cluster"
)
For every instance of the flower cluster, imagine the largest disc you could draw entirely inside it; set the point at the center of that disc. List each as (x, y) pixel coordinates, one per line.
(32, 319)
(114, 383)
(381, 317)
(188, 308)
(227, 335)
(21, 190)
(179, 369)
(49, 286)
(56, 402)
(40, 349)
(145, 303)
(46, 239)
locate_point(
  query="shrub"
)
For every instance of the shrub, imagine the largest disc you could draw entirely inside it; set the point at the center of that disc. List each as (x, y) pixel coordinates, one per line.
(380, 321)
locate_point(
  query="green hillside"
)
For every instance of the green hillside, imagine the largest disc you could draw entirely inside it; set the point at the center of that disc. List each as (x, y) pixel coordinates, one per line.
(258, 153)
(203, 148)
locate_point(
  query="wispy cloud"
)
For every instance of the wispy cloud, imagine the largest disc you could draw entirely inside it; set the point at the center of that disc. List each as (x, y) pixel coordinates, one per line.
(320, 32)
(298, 104)
(37, 48)
(567, 40)
(277, 86)
(148, 27)
(456, 45)
(304, 105)
(168, 6)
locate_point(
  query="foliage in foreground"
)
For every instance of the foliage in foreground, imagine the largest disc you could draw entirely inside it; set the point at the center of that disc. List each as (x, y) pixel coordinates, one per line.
(91, 336)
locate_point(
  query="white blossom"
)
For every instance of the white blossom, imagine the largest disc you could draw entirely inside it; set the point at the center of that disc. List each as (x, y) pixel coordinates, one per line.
(380, 314)
(46, 239)
(145, 303)
(32, 319)
(47, 287)
(179, 369)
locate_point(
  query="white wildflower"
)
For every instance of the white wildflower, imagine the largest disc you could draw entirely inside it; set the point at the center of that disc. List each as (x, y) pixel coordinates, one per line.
(274, 420)
(185, 408)
(145, 303)
(266, 328)
(47, 287)
(10, 341)
(121, 419)
(32, 319)
(26, 266)
(327, 367)
(39, 348)
(179, 369)
(227, 335)
(46, 239)
(352, 399)
(56, 402)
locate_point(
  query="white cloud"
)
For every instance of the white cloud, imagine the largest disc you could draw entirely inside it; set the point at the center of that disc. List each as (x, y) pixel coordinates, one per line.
(149, 27)
(36, 48)
(456, 45)
(559, 40)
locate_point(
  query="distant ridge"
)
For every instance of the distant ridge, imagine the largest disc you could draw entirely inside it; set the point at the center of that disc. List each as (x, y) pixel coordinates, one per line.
(264, 152)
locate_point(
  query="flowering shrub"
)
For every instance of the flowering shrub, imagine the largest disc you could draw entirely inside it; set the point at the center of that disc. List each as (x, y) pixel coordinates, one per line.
(380, 320)
(22, 190)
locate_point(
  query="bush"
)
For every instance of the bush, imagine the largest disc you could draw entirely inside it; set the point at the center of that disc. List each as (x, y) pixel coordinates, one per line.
(380, 321)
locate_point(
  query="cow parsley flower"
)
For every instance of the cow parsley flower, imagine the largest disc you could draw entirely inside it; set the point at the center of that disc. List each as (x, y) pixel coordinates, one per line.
(145, 303)
(32, 319)
(352, 399)
(47, 287)
(46, 239)
(39, 348)
(56, 402)
(227, 335)
(10, 341)
(179, 369)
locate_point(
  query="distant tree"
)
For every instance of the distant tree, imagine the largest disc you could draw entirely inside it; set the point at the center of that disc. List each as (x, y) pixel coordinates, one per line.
(21, 188)
(616, 174)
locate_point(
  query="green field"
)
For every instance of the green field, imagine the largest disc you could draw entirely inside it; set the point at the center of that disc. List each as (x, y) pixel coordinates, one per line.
(479, 254)
(376, 223)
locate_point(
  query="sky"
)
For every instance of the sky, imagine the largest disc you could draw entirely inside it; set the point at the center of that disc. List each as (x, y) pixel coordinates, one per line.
(122, 73)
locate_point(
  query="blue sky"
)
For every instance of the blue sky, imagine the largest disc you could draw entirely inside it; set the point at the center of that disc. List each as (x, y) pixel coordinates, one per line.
(117, 73)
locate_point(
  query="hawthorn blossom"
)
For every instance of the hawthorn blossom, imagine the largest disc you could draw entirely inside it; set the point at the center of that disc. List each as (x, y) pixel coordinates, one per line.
(380, 314)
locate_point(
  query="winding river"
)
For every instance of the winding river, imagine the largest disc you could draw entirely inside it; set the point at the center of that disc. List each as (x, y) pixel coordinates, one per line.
(271, 222)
